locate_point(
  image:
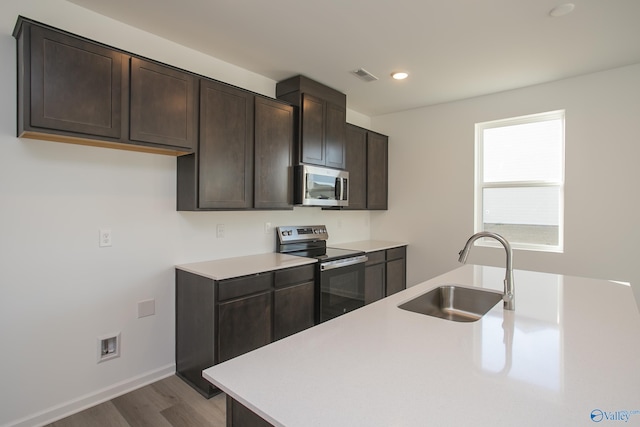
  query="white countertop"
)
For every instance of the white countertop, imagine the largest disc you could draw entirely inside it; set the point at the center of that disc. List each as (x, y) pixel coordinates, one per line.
(570, 349)
(368, 245)
(227, 268)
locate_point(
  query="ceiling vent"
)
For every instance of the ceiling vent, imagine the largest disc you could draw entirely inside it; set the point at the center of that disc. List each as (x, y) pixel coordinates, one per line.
(365, 75)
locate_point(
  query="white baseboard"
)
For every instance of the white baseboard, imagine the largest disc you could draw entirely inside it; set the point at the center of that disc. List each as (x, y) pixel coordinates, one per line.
(83, 402)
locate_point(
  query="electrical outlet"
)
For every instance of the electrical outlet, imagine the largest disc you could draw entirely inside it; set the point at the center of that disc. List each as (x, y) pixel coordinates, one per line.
(105, 238)
(220, 231)
(267, 227)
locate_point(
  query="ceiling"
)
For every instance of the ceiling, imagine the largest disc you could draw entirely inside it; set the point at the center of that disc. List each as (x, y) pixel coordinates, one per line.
(452, 49)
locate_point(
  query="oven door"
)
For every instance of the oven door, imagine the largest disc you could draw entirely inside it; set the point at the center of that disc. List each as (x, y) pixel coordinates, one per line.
(341, 286)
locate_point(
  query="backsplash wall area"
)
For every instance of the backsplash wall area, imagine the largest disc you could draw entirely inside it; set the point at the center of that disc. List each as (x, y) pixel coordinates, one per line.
(60, 291)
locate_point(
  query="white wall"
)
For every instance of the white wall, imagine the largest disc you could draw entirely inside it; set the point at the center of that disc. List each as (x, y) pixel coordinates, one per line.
(431, 173)
(59, 291)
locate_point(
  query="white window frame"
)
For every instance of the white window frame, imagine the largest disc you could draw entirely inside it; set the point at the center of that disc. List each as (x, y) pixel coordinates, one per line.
(480, 185)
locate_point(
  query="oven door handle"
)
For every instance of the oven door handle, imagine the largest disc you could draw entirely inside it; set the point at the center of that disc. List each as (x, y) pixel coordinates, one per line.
(339, 263)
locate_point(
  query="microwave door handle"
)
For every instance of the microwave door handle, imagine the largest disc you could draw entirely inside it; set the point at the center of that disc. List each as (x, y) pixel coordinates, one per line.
(345, 189)
(338, 189)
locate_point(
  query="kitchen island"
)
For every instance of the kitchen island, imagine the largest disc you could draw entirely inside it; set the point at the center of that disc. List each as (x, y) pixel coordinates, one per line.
(569, 355)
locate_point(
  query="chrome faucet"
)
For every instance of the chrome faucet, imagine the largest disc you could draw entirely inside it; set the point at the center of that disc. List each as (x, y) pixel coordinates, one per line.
(509, 292)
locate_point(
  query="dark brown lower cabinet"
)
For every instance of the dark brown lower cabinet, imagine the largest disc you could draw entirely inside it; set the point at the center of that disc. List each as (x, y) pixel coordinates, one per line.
(217, 320)
(375, 277)
(396, 270)
(243, 325)
(385, 273)
(293, 309)
(239, 415)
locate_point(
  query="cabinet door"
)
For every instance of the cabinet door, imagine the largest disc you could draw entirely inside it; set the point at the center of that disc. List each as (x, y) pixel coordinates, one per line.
(377, 175)
(239, 415)
(374, 279)
(356, 158)
(396, 276)
(76, 86)
(273, 155)
(226, 147)
(335, 135)
(312, 132)
(163, 105)
(243, 325)
(293, 309)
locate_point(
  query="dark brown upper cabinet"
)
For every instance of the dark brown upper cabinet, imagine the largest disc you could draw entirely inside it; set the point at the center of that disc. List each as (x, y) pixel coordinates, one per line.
(226, 147)
(244, 154)
(274, 125)
(322, 121)
(312, 130)
(335, 134)
(356, 148)
(377, 171)
(74, 90)
(67, 85)
(163, 105)
(367, 163)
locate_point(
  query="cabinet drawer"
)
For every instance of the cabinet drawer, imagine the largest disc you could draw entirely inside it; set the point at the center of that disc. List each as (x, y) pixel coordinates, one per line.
(375, 257)
(292, 276)
(396, 253)
(241, 286)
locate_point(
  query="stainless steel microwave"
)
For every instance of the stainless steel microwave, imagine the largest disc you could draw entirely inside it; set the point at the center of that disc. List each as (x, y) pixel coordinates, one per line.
(319, 186)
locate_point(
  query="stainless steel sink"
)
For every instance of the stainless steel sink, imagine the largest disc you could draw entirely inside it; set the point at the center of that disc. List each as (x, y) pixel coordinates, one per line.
(454, 302)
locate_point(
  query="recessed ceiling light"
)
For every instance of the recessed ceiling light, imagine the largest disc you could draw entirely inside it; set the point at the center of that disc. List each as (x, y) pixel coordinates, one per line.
(562, 10)
(399, 75)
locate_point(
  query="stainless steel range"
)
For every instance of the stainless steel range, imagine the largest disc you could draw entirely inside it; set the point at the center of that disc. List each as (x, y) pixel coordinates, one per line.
(339, 274)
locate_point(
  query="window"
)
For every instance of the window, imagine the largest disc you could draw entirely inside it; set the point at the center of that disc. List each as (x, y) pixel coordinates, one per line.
(520, 180)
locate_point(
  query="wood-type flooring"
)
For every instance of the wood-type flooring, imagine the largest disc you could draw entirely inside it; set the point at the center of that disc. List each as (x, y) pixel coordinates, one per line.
(167, 403)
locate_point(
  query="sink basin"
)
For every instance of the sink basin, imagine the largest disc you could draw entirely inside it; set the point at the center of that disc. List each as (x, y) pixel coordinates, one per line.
(454, 302)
